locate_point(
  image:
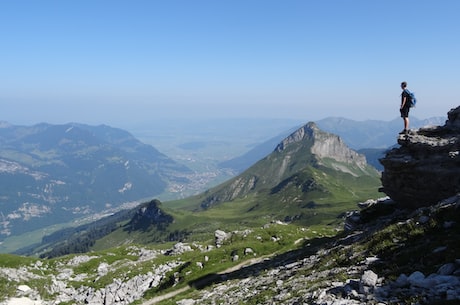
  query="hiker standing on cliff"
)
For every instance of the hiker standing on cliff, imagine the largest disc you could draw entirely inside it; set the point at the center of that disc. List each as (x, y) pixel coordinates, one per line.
(405, 107)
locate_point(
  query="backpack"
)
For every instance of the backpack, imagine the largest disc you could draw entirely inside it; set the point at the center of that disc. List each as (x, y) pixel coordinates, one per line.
(412, 99)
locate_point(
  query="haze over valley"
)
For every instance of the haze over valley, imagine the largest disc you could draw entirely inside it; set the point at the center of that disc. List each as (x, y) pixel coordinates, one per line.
(185, 157)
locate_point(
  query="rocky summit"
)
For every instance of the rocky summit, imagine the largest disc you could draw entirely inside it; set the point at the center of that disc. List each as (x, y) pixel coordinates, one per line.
(304, 152)
(425, 168)
(325, 145)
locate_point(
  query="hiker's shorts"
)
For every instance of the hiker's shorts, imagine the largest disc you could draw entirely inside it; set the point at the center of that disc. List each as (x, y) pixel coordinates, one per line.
(404, 112)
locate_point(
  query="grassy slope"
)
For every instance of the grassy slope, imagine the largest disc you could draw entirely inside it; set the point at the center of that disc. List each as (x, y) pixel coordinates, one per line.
(120, 258)
(403, 244)
(320, 202)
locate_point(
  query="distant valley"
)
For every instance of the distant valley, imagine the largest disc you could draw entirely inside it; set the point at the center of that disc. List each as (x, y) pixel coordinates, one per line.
(51, 174)
(55, 174)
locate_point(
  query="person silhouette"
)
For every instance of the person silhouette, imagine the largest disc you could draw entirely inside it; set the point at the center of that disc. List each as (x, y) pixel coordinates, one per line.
(405, 107)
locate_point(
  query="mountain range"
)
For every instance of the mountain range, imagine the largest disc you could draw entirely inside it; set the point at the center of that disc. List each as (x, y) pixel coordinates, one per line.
(285, 231)
(53, 174)
(370, 137)
(310, 178)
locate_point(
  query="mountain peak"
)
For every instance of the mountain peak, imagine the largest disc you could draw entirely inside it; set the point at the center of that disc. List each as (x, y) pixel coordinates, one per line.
(149, 215)
(307, 131)
(323, 145)
(306, 151)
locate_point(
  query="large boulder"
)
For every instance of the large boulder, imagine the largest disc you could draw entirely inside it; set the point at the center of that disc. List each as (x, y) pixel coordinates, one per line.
(426, 167)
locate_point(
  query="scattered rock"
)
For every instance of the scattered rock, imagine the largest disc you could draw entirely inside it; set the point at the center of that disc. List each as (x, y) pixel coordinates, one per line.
(24, 288)
(220, 237)
(23, 301)
(248, 251)
(417, 279)
(179, 248)
(80, 259)
(447, 269)
(103, 269)
(368, 282)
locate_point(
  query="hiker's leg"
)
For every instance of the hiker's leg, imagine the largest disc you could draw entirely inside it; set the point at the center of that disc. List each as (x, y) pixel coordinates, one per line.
(406, 123)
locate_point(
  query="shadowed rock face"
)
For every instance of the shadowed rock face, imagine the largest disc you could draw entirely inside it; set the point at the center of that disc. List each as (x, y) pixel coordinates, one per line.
(426, 167)
(149, 215)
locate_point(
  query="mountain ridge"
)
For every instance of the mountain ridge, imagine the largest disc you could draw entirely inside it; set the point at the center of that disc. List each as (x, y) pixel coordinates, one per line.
(370, 136)
(51, 173)
(325, 145)
(307, 146)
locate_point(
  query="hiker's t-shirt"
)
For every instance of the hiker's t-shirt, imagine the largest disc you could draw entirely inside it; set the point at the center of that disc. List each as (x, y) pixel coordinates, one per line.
(406, 95)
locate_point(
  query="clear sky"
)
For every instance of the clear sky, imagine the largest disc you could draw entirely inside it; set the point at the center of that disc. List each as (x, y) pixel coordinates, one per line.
(107, 62)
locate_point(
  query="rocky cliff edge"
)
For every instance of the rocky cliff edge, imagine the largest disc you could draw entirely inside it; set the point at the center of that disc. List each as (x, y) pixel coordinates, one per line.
(426, 167)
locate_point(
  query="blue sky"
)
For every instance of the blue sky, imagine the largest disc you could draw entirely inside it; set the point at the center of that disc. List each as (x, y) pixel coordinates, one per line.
(115, 62)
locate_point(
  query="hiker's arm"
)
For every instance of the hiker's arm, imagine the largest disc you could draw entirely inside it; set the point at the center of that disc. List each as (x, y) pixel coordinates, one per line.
(403, 102)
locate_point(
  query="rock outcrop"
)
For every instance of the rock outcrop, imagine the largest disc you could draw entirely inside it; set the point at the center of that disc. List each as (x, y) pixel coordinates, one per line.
(325, 145)
(426, 167)
(122, 289)
(150, 215)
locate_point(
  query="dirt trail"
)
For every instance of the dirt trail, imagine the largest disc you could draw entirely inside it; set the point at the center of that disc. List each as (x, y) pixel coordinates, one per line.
(171, 294)
(166, 296)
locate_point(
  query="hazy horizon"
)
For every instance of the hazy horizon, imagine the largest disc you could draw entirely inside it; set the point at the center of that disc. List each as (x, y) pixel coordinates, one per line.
(210, 119)
(120, 63)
